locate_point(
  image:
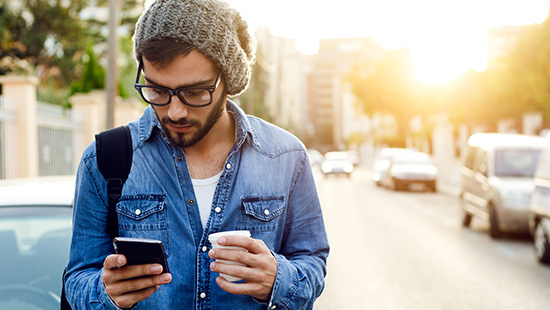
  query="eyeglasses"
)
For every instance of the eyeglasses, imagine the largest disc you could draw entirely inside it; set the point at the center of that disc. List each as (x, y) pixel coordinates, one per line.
(160, 96)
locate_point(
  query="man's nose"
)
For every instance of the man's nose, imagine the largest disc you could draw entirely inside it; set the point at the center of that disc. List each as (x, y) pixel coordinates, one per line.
(177, 109)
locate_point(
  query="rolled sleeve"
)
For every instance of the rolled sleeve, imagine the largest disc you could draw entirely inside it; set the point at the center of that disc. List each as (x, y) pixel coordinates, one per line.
(293, 288)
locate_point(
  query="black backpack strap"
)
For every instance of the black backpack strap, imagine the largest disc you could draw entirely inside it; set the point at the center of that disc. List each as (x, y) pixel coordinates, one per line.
(114, 159)
(64, 303)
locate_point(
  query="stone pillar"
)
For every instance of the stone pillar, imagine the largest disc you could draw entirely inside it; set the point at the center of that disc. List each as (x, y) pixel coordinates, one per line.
(22, 90)
(90, 109)
(127, 110)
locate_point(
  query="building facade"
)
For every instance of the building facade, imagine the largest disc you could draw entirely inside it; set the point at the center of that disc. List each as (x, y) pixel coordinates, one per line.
(330, 101)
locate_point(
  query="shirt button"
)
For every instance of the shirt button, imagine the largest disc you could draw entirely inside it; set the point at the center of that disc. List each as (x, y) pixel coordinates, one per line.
(204, 248)
(266, 212)
(218, 210)
(203, 295)
(138, 212)
(180, 158)
(273, 307)
(228, 166)
(191, 201)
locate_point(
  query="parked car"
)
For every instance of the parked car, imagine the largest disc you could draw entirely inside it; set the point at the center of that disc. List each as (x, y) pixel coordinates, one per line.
(539, 219)
(315, 157)
(35, 235)
(497, 180)
(337, 163)
(411, 170)
(382, 163)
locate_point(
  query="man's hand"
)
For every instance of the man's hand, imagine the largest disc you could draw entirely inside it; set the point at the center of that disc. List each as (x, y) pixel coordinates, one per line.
(127, 285)
(260, 270)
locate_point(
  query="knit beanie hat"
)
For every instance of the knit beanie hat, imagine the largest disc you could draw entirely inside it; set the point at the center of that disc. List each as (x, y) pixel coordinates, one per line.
(216, 29)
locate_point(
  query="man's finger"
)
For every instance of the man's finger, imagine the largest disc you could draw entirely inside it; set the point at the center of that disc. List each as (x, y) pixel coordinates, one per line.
(134, 271)
(137, 284)
(255, 246)
(114, 261)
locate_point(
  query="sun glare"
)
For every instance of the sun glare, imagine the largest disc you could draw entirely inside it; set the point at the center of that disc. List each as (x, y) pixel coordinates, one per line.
(446, 37)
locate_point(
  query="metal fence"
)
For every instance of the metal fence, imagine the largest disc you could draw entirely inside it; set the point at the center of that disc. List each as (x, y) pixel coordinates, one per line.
(57, 130)
(56, 134)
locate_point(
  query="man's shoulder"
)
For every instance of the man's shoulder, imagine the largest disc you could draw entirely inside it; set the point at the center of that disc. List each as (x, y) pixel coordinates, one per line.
(136, 132)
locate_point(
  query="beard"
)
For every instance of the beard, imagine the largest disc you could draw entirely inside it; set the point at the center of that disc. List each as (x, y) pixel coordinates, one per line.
(185, 140)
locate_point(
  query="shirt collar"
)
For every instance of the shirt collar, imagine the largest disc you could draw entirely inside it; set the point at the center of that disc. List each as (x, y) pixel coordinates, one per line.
(244, 128)
(149, 122)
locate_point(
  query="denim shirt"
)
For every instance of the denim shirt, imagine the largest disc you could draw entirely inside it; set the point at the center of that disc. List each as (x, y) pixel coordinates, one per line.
(266, 187)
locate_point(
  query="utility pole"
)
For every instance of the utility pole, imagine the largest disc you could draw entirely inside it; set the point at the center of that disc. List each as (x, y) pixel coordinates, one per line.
(112, 69)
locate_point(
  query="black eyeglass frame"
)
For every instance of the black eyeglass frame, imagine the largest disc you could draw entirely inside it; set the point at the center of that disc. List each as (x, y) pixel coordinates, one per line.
(177, 91)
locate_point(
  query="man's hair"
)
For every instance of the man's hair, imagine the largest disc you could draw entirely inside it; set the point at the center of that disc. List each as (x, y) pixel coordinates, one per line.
(210, 26)
(162, 52)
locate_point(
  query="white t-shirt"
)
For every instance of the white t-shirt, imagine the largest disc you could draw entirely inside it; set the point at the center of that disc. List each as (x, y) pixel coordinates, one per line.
(204, 191)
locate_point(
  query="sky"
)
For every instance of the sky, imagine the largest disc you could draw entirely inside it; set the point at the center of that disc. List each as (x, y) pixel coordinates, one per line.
(445, 37)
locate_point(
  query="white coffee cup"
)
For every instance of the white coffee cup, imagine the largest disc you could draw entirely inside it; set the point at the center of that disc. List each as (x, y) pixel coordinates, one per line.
(213, 238)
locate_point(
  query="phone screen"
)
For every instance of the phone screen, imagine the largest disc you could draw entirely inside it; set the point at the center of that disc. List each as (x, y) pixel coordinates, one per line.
(139, 251)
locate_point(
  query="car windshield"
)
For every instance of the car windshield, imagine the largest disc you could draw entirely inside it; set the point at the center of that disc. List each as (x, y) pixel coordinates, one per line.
(412, 159)
(516, 163)
(35, 245)
(337, 156)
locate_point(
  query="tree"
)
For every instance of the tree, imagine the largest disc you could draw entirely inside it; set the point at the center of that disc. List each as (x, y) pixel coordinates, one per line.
(93, 75)
(48, 35)
(48, 38)
(526, 73)
(388, 86)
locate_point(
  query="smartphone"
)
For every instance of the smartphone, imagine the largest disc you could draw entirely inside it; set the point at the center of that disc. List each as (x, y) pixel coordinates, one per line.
(139, 251)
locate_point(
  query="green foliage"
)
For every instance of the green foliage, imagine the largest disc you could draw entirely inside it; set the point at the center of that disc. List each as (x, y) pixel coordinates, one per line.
(525, 72)
(93, 75)
(48, 39)
(127, 69)
(517, 83)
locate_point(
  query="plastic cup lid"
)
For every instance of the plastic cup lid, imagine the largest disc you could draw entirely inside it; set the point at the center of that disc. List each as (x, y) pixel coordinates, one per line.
(215, 236)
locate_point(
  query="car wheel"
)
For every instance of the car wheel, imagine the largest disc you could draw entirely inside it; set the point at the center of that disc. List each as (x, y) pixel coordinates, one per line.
(494, 230)
(466, 217)
(433, 187)
(542, 245)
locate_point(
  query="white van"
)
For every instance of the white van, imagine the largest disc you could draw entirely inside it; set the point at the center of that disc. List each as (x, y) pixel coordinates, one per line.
(497, 180)
(539, 219)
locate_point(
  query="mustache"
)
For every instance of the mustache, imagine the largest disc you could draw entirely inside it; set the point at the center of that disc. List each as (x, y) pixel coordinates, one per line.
(180, 122)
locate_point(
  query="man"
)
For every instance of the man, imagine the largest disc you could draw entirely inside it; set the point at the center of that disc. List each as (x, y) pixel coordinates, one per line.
(200, 166)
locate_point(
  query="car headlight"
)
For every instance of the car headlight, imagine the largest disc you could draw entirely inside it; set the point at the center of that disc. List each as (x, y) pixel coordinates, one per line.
(348, 168)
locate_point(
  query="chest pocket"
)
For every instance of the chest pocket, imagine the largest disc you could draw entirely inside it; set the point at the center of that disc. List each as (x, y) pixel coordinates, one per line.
(143, 216)
(261, 213)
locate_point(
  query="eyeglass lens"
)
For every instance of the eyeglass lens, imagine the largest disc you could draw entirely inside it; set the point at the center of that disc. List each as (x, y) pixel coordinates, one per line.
(191, 96)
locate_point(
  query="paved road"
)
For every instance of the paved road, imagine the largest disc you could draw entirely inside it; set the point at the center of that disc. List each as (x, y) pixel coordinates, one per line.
(407, 250)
